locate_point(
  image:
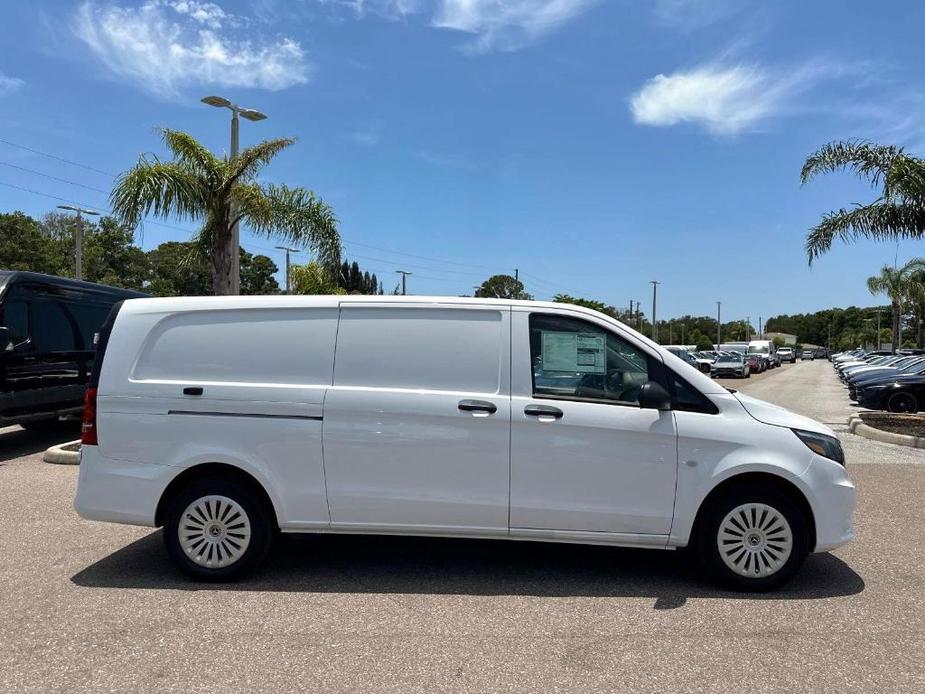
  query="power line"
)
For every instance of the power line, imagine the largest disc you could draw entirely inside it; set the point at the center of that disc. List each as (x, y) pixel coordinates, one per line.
(53, 178)
(57, 158)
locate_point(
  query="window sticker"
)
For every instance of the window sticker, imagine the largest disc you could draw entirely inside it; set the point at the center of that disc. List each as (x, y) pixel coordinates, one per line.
(573, 352)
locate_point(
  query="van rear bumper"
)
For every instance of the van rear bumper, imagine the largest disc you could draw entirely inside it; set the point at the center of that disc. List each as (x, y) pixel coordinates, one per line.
(117, 491)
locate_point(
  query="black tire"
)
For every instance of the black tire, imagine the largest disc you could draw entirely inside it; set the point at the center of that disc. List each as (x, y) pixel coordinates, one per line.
(707, 528)
(902, 403)
(260, 519)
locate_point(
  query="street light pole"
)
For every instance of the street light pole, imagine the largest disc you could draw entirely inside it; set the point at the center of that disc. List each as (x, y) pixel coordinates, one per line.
(288, 251)
(654, 284)
(404, 275)
(719, 325)
(79, 237)
(251, 115)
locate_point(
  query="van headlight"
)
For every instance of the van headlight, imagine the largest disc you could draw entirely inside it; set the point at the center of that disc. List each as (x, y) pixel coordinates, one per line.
(826, 446)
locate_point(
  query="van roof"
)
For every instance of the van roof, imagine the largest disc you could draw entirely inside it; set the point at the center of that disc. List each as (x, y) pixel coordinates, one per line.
(193, 303)
(9, 277)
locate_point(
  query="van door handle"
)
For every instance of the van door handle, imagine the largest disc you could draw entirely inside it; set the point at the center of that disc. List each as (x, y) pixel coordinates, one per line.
(478, 406)
(543, 411)
(192, 390)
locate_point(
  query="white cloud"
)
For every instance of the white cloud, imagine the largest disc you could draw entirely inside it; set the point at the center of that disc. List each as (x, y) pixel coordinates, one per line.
(726, 100)
(203, 12)
(167, 45)
(9, 84)
(496, 24)
(689, 15)
(507, 24)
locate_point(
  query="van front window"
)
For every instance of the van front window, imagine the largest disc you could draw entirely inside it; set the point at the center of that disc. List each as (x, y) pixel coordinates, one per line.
(758, 350)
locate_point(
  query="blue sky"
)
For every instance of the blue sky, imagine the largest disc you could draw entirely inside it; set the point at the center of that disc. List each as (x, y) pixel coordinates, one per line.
(593, 144)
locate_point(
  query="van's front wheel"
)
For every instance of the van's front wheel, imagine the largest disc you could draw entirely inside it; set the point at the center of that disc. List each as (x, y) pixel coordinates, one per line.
(753, 540)
(217, 530)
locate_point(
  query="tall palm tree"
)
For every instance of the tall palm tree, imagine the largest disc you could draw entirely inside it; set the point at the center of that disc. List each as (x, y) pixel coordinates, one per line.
(199, 186)
(900, 285)
(899, 211)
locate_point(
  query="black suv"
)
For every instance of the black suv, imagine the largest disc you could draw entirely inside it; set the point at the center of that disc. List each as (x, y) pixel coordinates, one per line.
(47, 326)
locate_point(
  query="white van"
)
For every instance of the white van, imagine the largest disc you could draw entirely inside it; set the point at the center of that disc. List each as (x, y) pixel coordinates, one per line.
(767, 349)
(225, 419)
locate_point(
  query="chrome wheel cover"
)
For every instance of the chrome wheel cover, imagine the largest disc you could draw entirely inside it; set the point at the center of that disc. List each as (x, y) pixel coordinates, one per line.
(214, 531)
(754, 540)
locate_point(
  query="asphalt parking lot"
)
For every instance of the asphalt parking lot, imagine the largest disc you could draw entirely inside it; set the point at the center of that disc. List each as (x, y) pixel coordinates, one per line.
(95, 607)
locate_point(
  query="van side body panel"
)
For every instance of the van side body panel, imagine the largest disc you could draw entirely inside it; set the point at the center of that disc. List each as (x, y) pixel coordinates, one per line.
(400, 451)
(262, 375)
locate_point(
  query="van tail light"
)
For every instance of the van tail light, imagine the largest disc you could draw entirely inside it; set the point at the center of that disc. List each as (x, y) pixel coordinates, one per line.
(88, 428)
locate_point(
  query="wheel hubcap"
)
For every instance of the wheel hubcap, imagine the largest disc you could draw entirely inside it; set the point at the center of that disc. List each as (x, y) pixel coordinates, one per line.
(214, 531)
(903, 403)
(754, 540)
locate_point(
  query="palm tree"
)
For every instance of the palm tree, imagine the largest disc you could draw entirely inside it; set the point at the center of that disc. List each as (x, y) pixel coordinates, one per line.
(899, 211)
(899, 284)
(199, 186)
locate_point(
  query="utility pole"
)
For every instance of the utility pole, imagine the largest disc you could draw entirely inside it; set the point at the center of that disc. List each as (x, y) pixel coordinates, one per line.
(79, 237)
(654, 284)
(404, 275)
(517, 274)
(878, 329)
(682, 333)
(251, 115)
(288, 251)
(670, 333)
(631, 312)
(748, 329)
(719, 325)
(760, 329)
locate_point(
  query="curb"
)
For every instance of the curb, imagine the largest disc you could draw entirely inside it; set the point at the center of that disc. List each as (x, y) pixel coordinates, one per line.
(63, 454)
(857, 426)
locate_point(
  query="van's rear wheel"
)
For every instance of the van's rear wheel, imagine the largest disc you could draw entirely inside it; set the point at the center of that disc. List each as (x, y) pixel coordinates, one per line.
(753, 540)
(217, 530)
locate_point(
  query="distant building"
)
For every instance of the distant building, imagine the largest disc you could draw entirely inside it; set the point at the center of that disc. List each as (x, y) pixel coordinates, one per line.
(786, 337)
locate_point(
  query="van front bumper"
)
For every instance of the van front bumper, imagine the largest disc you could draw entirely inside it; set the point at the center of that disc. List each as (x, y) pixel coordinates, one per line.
(833, 500)
(118, 491)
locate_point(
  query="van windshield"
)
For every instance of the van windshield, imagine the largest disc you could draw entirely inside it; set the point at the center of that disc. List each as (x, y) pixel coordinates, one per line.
(758, 350)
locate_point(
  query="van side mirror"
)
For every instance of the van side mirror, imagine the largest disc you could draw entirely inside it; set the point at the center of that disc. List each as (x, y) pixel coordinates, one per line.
(6, 344)
(653, 396)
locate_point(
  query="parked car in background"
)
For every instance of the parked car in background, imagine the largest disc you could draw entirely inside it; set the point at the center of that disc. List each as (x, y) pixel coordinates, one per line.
(731, 364)
(47, 326)
(228, 419)
(766, 348)
(899, 393)
(684, 355)
(808, 355)
(755, 363)
(787, 354)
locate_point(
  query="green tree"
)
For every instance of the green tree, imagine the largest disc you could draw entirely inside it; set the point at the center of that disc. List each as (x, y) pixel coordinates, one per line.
(257, 274)
(898, 212)
(25, 245)
(178, 268)
(313, 278)
(197, 185)
(502, 287)
(898, 284)
(587, 303)
(111, 256)
(702, 342)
